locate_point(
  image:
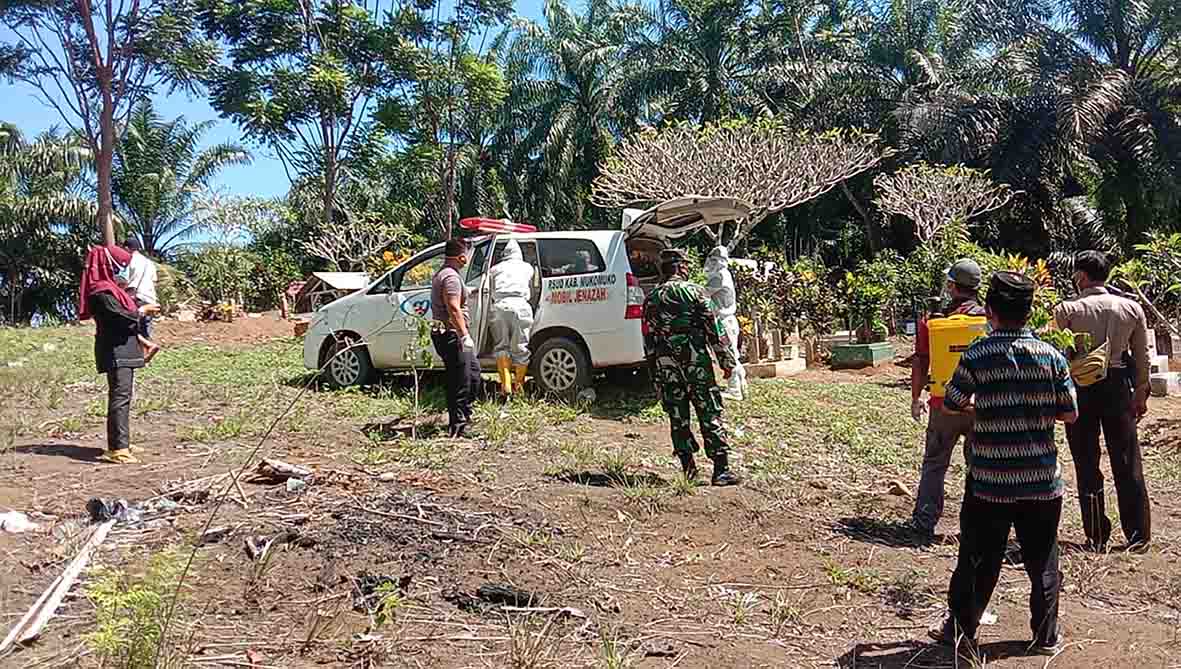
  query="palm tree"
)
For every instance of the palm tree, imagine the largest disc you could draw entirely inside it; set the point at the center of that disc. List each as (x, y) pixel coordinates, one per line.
(45, 224)
(696, 60)
(159, 170)
(561, 113)
(1118, 105)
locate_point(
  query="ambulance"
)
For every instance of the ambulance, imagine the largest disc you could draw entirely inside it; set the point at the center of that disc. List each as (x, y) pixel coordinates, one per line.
(588, 297)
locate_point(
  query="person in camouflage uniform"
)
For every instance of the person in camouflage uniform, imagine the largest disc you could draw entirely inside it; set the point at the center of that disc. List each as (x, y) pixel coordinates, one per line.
(679, 331)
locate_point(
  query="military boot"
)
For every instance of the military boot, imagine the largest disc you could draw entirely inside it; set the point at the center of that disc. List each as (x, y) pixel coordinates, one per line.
(688, 465)
(722, 472)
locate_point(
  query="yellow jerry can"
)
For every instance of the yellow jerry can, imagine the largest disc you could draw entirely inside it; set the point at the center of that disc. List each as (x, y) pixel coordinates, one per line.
(949, 338)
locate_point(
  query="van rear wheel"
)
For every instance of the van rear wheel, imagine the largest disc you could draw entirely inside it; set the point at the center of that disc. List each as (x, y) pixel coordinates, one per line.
(561, 366)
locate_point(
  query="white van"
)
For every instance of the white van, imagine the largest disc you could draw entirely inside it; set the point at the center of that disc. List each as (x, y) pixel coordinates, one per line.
(587, 299)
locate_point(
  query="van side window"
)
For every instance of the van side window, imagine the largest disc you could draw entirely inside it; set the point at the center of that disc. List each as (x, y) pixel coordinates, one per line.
(383, 285)
(563, 257)
(477, 259)
(419, 274)
(528, 252)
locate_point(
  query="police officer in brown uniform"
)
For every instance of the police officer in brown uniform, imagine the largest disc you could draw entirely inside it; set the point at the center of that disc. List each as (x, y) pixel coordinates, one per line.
(1111, 406)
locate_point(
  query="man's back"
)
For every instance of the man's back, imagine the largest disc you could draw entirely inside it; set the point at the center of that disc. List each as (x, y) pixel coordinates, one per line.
(1020, 385)
(1099, 313)
(143, 278)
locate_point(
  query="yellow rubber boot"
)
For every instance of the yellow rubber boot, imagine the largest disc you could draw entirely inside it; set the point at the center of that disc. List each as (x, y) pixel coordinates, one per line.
(504, 373)
(519, 381)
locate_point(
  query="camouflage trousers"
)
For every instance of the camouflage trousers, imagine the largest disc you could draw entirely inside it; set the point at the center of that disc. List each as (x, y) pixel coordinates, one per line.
(695, 387)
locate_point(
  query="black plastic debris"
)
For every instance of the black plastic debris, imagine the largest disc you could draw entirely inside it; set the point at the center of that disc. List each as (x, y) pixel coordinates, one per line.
(101, 510)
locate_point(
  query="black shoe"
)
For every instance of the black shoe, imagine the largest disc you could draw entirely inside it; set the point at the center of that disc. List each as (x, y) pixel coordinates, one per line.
(688, 465)
(945, 635)
(923, 534)
(722, 474)
(1050, 648)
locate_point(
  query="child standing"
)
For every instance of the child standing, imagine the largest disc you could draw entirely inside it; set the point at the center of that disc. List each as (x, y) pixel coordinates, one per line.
(1016, 386)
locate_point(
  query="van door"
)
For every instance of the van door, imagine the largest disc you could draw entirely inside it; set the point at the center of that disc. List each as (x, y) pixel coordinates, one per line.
(410, 297)
(479, 288)
(679, 217)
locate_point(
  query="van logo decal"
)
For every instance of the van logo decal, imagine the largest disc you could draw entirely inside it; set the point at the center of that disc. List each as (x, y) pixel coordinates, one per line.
(416, 306)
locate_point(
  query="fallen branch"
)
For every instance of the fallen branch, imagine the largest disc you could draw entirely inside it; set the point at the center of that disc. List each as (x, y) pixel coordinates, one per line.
(46, 605)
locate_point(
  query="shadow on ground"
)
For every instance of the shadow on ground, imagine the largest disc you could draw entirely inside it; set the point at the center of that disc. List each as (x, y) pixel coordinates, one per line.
(601, 480)
(911, 653)
(70, 451)
(892, 533)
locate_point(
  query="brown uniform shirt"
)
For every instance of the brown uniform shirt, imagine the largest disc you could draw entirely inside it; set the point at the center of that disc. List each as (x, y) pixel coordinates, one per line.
(1095, 311)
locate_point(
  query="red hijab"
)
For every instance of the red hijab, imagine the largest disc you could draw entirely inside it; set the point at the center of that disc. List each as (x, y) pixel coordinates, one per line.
(99, 277)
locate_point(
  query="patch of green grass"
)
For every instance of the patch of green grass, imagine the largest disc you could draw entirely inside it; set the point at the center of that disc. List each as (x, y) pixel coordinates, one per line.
(791, 427)
(862, 580)
(648, 498)
(218, 429)
(783, 613)
(572, 553)
(742, 606)
(68, 350)
(422, 453)
(683, 486)
(521, 418)
(69, 425)
(616, 462)
(268, 364)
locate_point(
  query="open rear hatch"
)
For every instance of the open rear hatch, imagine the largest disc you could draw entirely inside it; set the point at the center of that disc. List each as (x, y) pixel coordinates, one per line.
(648, 231)
(682, 216)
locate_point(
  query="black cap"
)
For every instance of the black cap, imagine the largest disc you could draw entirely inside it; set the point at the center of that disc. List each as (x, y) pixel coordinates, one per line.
(965, 273)
(132, 244)
(1011, 287)
(456, 247)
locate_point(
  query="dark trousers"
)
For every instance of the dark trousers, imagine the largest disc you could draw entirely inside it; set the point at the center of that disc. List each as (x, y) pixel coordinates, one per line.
(463, 379)
(1107, 406)
(984, 535)
(120, 382)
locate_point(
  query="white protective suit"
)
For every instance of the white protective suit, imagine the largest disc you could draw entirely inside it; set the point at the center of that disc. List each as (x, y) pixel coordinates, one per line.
(512, 316)
(720, 287)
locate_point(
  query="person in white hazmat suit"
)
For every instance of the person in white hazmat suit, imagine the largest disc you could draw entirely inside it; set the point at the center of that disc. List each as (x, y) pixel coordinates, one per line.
(512, 316)
(720, 288)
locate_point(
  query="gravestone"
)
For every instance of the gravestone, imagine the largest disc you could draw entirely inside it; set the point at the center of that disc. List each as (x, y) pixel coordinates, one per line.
(857, 356)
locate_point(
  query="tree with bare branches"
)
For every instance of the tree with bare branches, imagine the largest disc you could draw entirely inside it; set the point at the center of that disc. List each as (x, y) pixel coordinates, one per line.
(764, 163)
(935, 196)
(93, 61)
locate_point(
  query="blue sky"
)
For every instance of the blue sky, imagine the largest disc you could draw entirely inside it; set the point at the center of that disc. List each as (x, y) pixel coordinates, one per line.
(264, 177)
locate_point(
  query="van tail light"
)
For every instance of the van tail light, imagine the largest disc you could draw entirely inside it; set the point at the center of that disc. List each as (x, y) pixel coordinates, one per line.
(635, 298)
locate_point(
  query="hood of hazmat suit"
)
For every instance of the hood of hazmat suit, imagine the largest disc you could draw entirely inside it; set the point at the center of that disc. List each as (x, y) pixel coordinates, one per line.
(719, 284)
(512, 276)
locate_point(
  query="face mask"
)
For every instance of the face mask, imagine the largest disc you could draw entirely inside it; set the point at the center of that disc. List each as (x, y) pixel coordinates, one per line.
(122, 272)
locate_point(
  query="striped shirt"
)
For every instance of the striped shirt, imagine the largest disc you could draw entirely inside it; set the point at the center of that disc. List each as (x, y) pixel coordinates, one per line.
(1020, 384)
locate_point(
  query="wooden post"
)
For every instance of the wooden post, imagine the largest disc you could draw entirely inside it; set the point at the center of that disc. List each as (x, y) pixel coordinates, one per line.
(758, 341)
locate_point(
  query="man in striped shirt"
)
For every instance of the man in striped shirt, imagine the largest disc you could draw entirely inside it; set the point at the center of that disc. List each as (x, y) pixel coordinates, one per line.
(1016, 386)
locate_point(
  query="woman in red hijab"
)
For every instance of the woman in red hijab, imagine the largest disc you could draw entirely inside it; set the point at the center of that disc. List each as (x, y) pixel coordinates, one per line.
(117, 351)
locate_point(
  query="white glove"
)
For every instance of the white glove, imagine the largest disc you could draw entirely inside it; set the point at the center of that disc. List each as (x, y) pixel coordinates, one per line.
(918, 409)
(468, 343)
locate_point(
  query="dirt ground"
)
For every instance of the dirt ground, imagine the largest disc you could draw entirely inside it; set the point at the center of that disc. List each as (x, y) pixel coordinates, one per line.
(380, 559)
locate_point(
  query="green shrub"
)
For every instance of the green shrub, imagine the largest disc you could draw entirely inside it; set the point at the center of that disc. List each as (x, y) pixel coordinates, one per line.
(221, 273)
(173, 288)
(131, 614)
(868, 293)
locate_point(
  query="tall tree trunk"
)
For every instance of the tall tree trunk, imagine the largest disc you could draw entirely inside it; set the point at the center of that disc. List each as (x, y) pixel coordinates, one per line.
(330, 167)
(106, 154)
(871, 236)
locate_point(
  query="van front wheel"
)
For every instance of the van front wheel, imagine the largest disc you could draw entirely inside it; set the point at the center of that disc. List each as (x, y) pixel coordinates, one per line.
(560, 366)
